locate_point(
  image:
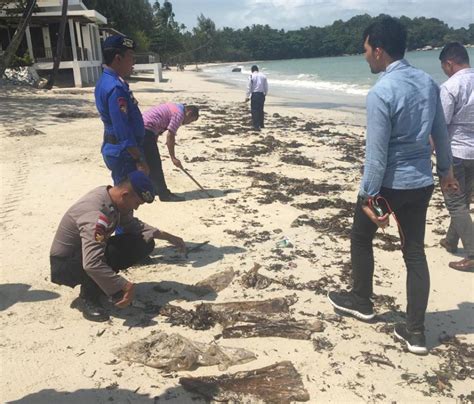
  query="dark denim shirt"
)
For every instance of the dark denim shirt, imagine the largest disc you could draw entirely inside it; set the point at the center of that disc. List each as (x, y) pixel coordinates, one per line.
(403, 109)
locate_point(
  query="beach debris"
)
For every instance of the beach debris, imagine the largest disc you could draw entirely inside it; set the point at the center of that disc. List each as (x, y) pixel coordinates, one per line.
(289, 187)
(285, 242)
(26, 131)
(337, 224)
(296, 158)
(278, 383)
(324, 203)
(23, 75)
(458, 364)
(291, 329)
(214, 283)
(76, 114)
(370, 358)
(252, 279)
(322, 344)
(207, 315)
(236, 70)
(173, 352)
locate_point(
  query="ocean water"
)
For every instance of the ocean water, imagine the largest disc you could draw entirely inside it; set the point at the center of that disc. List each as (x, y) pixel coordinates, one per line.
(332, 82)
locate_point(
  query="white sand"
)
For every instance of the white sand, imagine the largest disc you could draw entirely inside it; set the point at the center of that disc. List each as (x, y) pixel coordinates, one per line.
(49, 353)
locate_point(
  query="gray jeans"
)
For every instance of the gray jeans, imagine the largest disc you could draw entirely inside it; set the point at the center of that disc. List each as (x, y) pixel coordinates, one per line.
(461, 226)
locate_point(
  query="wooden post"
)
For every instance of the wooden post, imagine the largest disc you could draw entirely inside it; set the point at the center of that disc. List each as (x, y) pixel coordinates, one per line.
(59, 46)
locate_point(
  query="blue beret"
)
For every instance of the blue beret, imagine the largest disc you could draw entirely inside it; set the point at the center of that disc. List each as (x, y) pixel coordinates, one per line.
(119, 42)
(142, 186)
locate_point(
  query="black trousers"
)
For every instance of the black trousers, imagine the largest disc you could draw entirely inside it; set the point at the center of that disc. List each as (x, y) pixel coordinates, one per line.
(410, 207)
(122, 251)
(256, 106)
(153, 159)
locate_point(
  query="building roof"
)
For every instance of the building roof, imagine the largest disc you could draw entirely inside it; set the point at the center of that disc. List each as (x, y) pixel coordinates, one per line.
(50, 11)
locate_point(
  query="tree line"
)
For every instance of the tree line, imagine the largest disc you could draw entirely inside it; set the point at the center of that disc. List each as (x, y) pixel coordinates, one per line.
(155, 29)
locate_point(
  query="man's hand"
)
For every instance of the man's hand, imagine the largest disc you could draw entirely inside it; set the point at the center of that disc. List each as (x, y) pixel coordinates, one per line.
(178, 242)
(449, 184)
(176, 162)
(382, 221)
(143, 166)
(128, 293)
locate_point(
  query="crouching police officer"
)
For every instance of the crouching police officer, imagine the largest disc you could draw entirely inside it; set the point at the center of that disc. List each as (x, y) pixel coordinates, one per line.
(123, 123)
(84, 252)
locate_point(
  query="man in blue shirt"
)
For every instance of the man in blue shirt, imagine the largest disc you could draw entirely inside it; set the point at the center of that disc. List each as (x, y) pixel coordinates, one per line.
(403, 109)
(123, 123)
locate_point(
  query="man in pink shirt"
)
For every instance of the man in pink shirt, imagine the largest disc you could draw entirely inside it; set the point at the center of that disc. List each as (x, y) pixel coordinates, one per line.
(165, 117)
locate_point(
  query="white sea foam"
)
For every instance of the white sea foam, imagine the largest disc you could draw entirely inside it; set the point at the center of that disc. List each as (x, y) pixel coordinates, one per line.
(321, 85)
(303, 81)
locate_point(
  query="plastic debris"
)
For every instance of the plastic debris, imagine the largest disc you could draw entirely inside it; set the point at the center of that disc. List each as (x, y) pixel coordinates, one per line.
(173, 352)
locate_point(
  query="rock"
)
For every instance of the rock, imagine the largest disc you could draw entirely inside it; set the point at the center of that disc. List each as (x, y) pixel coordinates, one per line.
(236, 70)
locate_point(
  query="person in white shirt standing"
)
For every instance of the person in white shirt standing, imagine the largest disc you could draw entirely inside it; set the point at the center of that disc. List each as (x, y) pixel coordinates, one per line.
(457, 98)
(257, 90)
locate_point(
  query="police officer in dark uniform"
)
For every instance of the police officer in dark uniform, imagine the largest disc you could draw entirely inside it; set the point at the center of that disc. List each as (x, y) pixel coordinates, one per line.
(84, 251)
(123, 123)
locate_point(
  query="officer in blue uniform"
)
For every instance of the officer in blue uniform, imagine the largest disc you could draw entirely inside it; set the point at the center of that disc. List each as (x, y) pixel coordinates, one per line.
(123, 123)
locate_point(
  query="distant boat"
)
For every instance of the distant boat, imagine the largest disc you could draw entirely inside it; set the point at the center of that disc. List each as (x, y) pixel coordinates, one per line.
(236, 70)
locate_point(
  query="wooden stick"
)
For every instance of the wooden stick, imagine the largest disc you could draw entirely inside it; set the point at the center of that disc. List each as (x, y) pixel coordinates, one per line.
(197, 183)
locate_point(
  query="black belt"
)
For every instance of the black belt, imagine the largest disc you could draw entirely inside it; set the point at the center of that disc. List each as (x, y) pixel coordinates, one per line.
(110, 139)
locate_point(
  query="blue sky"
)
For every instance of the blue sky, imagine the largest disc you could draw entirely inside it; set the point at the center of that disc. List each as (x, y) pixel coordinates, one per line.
(292, 14)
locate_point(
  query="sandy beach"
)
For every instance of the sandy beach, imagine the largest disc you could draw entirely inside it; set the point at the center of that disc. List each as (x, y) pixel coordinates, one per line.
(297, 178)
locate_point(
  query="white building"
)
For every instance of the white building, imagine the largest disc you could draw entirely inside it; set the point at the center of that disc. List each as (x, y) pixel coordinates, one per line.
(82, 54)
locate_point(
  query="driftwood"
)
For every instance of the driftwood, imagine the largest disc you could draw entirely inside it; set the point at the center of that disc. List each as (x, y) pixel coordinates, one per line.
(278, 383)
(253, 311)
(214, 283)
(285, 329)
(173, 352)
(207, 315)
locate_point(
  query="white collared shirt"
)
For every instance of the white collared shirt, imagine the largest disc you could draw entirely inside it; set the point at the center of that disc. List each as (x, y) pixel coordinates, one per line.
(457, 98)
(257, 84)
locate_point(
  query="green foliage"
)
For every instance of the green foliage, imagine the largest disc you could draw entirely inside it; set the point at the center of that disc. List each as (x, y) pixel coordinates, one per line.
(18, 61)
(155, 28)
(125, 16)
(166, 37)
(142, 40)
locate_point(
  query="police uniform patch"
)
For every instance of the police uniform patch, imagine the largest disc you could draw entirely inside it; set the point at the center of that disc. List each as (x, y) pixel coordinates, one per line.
(101, 227)
(122, 102)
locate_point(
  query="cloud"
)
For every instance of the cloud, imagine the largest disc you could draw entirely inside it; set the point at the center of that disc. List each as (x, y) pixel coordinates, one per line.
(294, 14)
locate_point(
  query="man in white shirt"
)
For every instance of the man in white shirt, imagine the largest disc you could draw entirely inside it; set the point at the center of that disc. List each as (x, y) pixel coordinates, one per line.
(457, 98)
(257, 89)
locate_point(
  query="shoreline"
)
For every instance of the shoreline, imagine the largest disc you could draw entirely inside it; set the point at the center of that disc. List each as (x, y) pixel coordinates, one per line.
(297, 178)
